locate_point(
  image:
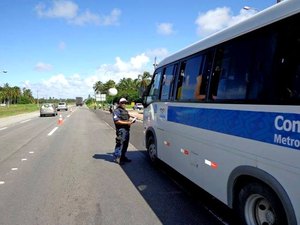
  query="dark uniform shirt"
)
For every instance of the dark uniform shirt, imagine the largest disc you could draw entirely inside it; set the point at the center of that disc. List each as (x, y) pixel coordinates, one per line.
(123, 115)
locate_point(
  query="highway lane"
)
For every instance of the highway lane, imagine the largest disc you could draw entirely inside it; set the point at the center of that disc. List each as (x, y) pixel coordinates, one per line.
(16, 135)
(69, 177)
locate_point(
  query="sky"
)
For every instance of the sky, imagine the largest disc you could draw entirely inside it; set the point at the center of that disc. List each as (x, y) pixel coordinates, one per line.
(61, 48)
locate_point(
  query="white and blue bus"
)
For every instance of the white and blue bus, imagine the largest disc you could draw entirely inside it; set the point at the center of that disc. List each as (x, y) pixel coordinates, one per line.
(225, 113)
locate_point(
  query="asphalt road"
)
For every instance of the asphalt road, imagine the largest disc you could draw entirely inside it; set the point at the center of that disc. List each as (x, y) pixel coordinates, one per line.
(64, 174)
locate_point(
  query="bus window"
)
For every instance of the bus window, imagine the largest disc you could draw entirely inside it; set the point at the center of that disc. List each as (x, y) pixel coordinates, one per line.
(167, 83)
(180, 80)
(288, 81)
(189, 72)
(154, 90)
(260, 83)
(204, 75)
(231, 68)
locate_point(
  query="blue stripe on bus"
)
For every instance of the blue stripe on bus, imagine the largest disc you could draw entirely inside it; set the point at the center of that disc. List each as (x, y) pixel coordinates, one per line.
(271, 127)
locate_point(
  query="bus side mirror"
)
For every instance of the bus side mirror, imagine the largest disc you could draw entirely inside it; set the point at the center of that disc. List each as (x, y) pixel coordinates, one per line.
(145, 96)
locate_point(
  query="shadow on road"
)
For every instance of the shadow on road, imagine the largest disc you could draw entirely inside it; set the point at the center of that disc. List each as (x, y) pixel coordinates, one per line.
(107, 157)
(183, 203)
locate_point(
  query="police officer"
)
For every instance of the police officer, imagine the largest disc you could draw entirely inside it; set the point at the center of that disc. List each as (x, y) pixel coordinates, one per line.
(122, 122)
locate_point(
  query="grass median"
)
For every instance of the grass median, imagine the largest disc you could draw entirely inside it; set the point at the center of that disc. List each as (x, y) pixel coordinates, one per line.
(17, 109)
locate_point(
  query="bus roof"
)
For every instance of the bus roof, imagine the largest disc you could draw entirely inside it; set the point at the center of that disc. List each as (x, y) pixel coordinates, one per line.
(272, 14)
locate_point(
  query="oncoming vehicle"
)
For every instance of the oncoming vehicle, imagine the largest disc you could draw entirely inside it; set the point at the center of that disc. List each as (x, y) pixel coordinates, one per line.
(62, 106)
(225, 113)
(79, 101)
(138, 106)
(48, 109)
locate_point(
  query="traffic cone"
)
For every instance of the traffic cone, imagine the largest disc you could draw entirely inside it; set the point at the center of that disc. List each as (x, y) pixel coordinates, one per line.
(60, 120)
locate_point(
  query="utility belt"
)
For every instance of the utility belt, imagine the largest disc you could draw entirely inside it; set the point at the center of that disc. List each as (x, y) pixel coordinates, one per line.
(126, 127)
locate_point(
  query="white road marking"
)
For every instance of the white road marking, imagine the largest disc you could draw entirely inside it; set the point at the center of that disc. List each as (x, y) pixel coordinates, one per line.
(3, 128)
(68, 115)
(2, 182)
(52, 131)
(31, 152)
(14, 169)
(24, 159)
(25, 121)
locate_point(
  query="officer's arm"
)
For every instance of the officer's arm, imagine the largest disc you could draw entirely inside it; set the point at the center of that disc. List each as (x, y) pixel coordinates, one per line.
(123, 122)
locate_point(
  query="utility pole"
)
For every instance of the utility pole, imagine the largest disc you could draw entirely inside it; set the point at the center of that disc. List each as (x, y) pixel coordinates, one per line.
(155, 64)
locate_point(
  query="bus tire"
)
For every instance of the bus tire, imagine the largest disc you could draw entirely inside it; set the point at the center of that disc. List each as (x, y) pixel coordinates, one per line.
(259, 205)
(152, 150)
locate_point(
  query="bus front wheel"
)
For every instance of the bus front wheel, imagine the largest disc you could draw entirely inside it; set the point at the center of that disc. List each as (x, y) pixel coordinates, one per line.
(152, 150)
(259, 205)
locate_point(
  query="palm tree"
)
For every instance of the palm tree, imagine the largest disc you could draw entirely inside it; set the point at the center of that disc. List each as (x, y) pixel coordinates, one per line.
(126, 84)
(98, 87)
(144, 81)
(15, 94)
(109, 84)
(7, 93)
(27, 94)
(1, 95)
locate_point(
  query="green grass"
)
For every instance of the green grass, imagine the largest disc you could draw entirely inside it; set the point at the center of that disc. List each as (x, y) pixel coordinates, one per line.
(13, 110)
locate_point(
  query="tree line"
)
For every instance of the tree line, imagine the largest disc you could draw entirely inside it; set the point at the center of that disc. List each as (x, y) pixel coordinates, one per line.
(15, 95)
(131, 89)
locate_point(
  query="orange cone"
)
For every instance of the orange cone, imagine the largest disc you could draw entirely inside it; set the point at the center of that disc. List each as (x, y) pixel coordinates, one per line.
(60, 120)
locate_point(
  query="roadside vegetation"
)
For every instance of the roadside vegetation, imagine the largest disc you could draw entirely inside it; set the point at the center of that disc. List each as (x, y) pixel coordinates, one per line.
(131, 89)
(14, 100)
(16, 109)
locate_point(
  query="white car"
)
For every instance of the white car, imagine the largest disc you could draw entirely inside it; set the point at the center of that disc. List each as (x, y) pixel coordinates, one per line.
(62, 106)
(138, 106)
(48, 109)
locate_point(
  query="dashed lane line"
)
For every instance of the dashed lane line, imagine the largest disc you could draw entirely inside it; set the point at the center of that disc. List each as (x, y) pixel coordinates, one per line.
(25, 121)
(51, 132)
(16, 168)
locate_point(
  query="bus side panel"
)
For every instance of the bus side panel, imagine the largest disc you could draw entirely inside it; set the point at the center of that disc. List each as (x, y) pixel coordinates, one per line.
(208, 157)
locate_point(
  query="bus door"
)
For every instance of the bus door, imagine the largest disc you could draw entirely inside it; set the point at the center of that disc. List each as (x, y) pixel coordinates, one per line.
(151, 110)
(167, 85)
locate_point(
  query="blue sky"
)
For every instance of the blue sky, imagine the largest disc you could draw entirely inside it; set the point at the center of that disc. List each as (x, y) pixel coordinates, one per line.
(60, 48)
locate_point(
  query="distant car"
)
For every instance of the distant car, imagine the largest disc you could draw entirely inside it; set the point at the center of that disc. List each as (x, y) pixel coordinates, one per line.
(62, 106)
(48, 109)
(138, 106)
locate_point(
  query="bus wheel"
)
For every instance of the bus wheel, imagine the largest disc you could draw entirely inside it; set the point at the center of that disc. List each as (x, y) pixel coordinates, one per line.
(152, 150)
(259, 205)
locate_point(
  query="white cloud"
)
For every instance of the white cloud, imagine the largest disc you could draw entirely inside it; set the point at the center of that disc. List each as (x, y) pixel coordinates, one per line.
(85, 18)
(159, 53)
(112, 19)
(68, 10)
(70, 86)
(219, 18)
(42, 67)
(124, 69)
(58, 81)
(60, 9)
(139, 61)
(165, 28)
(61, 86)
